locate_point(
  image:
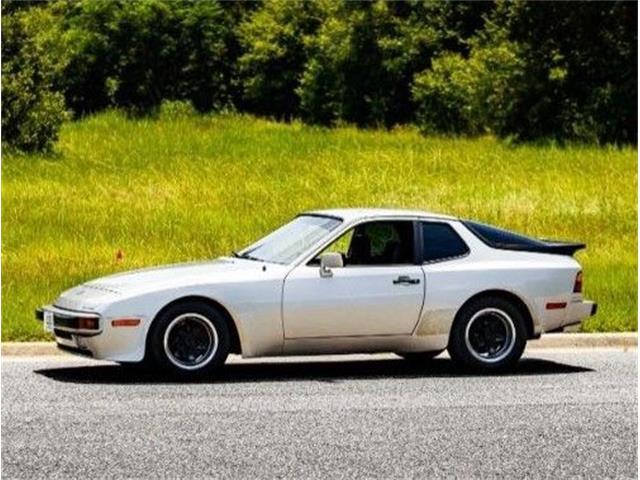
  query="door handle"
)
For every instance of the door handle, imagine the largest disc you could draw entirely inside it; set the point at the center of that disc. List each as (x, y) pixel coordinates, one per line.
(406, 280)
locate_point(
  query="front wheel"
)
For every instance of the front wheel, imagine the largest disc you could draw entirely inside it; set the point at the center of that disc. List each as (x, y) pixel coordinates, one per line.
(487, 335)
(190, 339)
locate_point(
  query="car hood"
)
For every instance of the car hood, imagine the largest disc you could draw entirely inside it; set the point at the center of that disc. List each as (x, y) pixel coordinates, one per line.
(94, 293)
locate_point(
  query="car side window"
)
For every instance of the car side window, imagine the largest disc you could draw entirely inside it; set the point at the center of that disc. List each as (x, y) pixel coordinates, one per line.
(440, 242)
(375, 243)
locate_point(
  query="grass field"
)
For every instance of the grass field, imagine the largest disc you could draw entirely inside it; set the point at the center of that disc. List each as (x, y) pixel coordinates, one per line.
(168, 190)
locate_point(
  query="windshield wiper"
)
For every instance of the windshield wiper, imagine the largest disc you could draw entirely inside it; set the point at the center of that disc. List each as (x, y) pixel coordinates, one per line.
(246, 256)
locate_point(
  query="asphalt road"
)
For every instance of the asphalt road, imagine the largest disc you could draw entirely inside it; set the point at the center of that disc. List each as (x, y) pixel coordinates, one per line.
(563, 413)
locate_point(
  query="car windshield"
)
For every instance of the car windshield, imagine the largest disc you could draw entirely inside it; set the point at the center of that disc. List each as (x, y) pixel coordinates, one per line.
(291, 240)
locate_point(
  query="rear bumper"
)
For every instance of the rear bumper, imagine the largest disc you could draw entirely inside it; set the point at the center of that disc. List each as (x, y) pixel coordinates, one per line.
(578, 311)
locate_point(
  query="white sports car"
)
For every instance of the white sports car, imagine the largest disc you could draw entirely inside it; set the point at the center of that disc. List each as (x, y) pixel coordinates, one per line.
(335, 281)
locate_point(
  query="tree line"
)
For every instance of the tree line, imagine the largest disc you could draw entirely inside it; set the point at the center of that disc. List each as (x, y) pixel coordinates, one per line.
(519, 70)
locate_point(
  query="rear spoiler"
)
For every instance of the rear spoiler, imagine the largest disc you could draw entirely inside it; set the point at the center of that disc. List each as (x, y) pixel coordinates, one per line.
(542, 246)
(498, 238)
(554, 246)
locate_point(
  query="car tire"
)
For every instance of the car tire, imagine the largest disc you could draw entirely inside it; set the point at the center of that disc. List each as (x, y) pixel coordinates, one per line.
(420, 357)
(190, 339)
(488, 335)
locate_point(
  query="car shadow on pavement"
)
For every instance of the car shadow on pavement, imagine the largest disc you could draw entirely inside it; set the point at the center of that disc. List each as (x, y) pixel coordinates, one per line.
(322, 371)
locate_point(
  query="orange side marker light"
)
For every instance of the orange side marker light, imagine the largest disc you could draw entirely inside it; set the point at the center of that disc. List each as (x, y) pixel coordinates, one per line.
(125, 322)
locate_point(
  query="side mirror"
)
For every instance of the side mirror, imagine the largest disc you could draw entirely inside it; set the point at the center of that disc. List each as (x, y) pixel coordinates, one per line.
(328, 261)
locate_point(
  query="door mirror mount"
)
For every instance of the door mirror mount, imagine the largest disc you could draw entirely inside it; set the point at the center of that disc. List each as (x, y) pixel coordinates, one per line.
(328, 261)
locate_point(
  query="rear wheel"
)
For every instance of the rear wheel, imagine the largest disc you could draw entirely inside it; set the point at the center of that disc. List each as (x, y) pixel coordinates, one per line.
(190, 339)
(488, 334)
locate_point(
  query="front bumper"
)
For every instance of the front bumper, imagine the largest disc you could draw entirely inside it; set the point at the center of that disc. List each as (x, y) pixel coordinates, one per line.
(124, 343)
(72, 322)
(72, 329)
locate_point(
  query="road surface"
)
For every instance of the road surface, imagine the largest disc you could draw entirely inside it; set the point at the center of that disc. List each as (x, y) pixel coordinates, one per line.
(563, 413)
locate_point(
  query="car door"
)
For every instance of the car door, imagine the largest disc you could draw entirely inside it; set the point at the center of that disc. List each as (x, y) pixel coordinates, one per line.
(379, 291)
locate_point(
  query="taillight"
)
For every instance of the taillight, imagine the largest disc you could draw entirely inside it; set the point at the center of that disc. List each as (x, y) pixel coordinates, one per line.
(577, 285)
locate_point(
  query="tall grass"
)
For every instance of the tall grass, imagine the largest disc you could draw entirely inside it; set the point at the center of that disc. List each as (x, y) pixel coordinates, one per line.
(194, 187)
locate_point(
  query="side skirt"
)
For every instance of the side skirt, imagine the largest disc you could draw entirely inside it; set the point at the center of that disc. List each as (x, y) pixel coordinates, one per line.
(366, 344)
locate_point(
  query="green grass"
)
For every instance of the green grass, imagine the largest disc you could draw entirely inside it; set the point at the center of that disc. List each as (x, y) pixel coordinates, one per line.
(196, 187)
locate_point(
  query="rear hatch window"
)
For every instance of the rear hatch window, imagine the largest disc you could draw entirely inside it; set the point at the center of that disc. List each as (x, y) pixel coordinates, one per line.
(498, 238)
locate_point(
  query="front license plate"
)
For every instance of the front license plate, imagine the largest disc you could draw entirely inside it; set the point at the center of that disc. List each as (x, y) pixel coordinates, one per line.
(48, 321)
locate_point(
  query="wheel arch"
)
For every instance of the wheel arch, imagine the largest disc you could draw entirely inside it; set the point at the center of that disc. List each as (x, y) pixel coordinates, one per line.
(511, 297)
(236, 344)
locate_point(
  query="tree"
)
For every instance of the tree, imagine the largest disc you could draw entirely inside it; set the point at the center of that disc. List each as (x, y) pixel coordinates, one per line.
(364, 56)
(584, 58)
(423, 30)
(135, 54)
(471, 95)
(33, 58)
(275, 54)
(523, 70)
(553, 70)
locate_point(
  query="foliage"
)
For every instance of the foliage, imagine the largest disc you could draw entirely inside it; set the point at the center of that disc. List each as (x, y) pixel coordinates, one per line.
(471, 95)
(421, 31)
(135, 54)
(521, 70)
(583, 57)
(343, 79)
(275, 55)
(32, 111)
(167, 190)
(173, 109)
(363, 57)
(562, 70)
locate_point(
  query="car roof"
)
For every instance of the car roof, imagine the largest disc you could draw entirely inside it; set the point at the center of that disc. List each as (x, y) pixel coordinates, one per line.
(349, 214)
